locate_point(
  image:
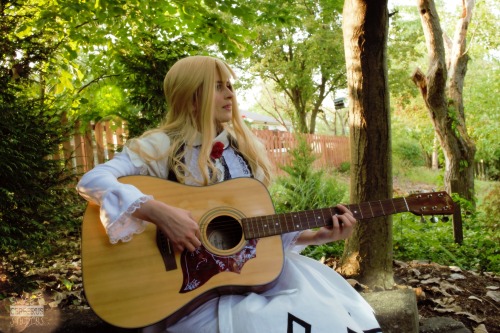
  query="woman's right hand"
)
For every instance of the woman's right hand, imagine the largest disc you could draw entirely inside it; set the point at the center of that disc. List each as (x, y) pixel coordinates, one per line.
(177, 224)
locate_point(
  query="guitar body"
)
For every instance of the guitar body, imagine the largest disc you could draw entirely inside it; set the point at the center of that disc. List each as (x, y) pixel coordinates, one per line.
(130, 285)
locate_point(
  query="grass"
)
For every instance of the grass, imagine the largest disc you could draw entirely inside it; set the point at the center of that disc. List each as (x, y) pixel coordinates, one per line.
(414, 239)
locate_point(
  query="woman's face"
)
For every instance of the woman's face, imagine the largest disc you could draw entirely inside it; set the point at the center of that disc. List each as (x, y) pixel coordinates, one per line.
(223, 100)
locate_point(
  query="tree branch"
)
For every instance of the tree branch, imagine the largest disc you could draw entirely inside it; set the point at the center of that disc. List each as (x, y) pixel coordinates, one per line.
(97, 79)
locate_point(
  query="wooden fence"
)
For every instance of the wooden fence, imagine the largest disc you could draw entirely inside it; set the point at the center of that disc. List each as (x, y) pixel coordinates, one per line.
(100, 141)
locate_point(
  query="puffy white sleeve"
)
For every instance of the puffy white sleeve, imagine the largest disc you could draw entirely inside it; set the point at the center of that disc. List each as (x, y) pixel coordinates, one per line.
(119, 201)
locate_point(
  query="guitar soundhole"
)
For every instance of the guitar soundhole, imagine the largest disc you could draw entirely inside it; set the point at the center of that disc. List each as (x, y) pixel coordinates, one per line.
(224, 232)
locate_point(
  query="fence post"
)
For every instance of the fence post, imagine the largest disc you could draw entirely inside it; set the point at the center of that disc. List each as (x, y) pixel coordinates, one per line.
(458, 233)
(99, 140)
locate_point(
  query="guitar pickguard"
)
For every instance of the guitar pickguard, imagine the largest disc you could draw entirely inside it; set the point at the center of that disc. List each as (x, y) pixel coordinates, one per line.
(201, 265)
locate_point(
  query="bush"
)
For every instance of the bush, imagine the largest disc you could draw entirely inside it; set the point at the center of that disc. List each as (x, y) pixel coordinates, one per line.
(414, 240)
(36, 204)
(345, 167)
(408, 152)
(305, 188)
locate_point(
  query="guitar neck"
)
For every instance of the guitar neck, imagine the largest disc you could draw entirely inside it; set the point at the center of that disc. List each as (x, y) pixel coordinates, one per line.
(277, 224)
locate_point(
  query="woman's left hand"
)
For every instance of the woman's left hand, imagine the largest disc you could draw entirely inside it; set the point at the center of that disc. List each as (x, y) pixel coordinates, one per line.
(342, 228)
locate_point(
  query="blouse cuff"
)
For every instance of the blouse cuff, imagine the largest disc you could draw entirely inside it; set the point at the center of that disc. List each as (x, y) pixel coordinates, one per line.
(289, 241)
(126, 226)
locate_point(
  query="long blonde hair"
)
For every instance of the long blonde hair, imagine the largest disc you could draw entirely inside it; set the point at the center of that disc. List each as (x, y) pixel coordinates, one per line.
(189, 90)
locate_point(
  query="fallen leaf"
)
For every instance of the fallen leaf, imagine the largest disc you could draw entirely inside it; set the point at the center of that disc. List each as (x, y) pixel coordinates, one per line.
(441, 291)
(494, 295)
(54, 304)
(429, 281)
(471, 317)
(447, 286)
(456, 276)
(480, 329)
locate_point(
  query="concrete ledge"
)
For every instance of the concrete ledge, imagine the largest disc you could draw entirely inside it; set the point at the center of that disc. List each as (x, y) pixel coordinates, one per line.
(395, 310)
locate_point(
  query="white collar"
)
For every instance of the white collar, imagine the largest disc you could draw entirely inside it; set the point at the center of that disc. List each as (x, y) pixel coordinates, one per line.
(222, 137)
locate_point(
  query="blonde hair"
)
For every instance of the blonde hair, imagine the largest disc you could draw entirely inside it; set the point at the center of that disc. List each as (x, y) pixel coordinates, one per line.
(189, 90)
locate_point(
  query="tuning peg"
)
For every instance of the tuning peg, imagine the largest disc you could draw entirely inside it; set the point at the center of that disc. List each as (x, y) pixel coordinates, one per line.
(434, 219)
(422, 219)
(445, 219)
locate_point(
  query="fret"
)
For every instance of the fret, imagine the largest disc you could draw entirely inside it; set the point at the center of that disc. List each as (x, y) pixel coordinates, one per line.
(355, 209)
(370, 206)
(323, 216)
(408, 208)
(272, 225)
(248, 226)
(267, 224)
(277, 224)
(395, 210)
(360, 211)
(258, 225)
(298, 221)
(382, 207)
(284, 222)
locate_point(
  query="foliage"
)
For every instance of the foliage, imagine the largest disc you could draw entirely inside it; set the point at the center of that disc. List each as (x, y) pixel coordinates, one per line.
(300, 51)
(409, 152)
(305, 188)
(485, 113)
(35, 200)
(345, 167)
(434, 242)
(405, 52)
(143, 70)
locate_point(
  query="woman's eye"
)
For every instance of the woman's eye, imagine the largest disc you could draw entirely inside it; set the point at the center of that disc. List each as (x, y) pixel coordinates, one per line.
(220, 86)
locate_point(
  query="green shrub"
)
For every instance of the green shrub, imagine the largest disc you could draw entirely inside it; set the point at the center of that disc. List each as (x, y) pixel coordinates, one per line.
(409, 152)
(344, 167)
(36, 203)
(414, 240)
(305, 188)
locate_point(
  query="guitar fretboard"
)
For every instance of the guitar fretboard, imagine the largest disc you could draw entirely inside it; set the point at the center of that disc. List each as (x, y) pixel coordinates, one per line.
(277, 224)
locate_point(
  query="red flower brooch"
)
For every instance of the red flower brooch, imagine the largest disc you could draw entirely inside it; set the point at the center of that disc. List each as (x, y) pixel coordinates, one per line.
(217, 150)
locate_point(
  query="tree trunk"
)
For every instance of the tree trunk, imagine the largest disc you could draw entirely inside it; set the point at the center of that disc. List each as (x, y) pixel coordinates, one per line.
(441, 89)
(435, 154)
(368, 253)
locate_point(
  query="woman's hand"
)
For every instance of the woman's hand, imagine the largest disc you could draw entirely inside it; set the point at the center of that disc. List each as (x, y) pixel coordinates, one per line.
(342, 228)
(176, 223)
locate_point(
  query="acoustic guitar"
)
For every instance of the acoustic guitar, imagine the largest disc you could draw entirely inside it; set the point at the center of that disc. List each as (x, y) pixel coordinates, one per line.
(141, 282)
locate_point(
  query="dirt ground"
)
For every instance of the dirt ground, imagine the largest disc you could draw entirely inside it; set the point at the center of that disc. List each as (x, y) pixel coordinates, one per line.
(469, 297)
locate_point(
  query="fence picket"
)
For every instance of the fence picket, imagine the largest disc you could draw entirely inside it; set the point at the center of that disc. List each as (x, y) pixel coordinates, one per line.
(103, 139)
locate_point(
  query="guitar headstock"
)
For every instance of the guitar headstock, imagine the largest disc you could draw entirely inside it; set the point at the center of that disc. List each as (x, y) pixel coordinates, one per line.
(431, 203)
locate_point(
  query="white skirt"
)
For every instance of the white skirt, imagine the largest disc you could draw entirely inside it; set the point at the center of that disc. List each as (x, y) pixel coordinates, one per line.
(309, 297)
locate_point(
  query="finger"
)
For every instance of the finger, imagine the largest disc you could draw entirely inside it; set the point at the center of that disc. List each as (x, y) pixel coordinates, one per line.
(336, 221)
(190, 247)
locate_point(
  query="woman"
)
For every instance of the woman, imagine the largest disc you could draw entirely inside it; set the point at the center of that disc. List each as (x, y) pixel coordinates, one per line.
(203, 114)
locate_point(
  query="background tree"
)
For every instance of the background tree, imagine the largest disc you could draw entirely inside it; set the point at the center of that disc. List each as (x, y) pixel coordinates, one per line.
(35, 201)
(58, 60)
(298, 48)
(368, 253)
(442, 91)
